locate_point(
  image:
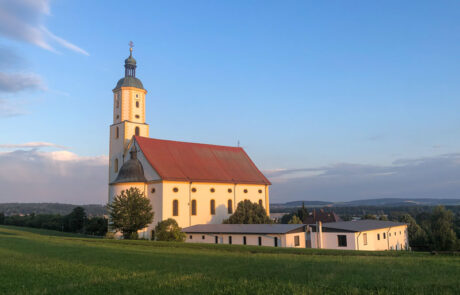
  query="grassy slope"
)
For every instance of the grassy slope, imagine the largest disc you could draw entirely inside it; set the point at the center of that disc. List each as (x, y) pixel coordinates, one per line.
(36, 262)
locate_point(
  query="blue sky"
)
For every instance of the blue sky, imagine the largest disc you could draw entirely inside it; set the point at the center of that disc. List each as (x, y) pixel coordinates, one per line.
(303, 85)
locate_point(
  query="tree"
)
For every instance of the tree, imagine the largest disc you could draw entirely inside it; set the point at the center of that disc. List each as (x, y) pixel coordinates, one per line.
(2, 218)
(249, 213)
(370, 216)
(295, 220)
(169, 230)
(302, 213)
(442, 233)
(417, 236)
(130, 211)
(76, 220)
(96, 226)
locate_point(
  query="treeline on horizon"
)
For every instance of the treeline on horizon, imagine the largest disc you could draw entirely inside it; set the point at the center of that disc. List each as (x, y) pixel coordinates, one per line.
(76, 221)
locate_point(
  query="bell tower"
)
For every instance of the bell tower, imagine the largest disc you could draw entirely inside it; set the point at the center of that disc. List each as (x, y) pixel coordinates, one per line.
(128, 115)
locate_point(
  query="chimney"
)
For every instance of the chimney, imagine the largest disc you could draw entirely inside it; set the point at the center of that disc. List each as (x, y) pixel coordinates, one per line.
(319, 234)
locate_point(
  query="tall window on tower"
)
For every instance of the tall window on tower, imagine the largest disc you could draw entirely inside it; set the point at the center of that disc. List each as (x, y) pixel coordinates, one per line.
(136, 131)
(137, 104)
(117, 132)
(175, 208)
(115, 165)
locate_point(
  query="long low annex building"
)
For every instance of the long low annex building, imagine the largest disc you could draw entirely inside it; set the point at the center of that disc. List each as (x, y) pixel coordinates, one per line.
(371, 235)
(273, 235)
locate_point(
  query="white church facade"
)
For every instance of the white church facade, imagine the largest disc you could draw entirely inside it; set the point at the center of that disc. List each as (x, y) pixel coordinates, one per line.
(190, 182)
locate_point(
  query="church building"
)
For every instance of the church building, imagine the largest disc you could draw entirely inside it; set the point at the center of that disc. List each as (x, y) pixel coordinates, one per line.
(193, 183)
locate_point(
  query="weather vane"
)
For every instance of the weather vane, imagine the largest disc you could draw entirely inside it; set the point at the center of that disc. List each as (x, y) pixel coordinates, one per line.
(131, 45)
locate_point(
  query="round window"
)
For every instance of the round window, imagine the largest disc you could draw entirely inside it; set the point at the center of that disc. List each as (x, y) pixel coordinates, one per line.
(212, 190)
(193, 190)
(245, 191)
(153, 190)
(175, 189)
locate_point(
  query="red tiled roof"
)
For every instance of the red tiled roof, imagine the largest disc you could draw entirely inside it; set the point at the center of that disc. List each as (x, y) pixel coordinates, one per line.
(185, 161)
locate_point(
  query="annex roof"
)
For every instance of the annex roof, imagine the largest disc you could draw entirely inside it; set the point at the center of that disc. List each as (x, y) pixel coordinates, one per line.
(244, 228)
(360, 225)
(185, 161)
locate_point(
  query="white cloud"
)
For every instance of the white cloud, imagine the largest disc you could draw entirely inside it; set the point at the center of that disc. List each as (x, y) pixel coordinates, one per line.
(57, 176)
(23, 20)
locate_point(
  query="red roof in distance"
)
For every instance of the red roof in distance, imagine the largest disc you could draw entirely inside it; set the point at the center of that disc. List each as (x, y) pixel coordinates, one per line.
(196, 162)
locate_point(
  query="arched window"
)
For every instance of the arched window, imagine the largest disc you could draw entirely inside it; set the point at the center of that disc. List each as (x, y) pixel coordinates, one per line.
(193, 207)
(229, 190)
(230, 206)
(213, 207)
(260, 202)
(137, 104)
(136, 131)
(175, 208)
(117, 132)
(115, 165)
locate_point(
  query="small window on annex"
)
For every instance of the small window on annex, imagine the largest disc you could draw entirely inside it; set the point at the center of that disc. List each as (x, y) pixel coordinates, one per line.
(137, 131)
(216, 239)
(244, 240)
(230, 240)
(260, 241)
(193, 207)
(384, 236)
(276, 242)
(213, 207)
(296, 241)
(230, 207)
(342, 240)
(378, 237)
(365, 239)
(190, 237)
(175, 208)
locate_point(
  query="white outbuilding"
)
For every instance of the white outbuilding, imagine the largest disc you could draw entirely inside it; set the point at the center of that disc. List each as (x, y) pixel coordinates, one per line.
(272, 235)
(371, 235)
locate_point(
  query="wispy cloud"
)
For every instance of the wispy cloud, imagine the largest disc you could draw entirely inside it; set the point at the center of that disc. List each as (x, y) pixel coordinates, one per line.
(8, 110)
(23, 20)
(431, 177)
(31, 145)
(20, 81)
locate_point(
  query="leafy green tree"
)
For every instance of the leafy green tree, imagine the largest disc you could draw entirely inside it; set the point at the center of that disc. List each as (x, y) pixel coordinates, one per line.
(417, 236)
(302, 213)
(249, 213)
(295, 220)
(96, 226)
(76, 220)
(130, 211)
(442, 234)
(286, 218)
(370, 216)
(169, 230)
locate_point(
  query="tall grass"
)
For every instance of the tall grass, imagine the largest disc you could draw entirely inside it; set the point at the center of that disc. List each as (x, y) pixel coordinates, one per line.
(41, 262)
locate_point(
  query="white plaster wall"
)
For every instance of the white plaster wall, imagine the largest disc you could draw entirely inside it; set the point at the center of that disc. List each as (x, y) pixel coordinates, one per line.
(289, 240)
(203, 196)
(392, 241)
(251, 239)
(355, 241)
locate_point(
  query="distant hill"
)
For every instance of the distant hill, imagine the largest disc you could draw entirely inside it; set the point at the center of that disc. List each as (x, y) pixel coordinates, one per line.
(390, 202)
(49, 208)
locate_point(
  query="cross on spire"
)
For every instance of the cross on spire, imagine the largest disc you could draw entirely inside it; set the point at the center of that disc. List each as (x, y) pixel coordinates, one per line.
(131, 45)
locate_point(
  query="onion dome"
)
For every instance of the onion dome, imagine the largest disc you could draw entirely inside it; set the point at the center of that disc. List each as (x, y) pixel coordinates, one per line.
(130, 80)
(131, 170)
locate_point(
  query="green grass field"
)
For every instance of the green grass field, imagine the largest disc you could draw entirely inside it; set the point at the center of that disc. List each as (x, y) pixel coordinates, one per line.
(45, 262)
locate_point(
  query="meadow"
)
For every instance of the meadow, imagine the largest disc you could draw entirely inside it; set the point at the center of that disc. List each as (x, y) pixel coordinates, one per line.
(46, 262)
